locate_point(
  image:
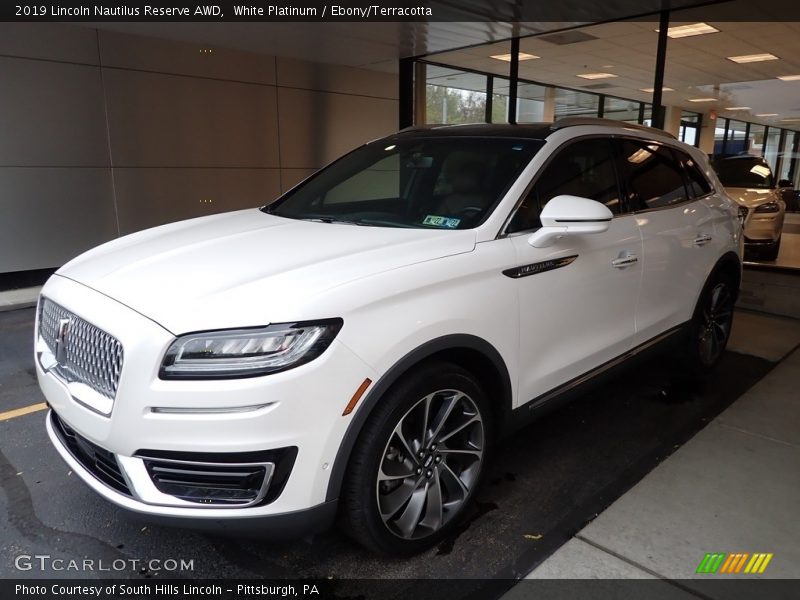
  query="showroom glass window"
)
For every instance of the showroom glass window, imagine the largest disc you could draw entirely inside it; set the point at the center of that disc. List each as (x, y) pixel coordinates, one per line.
(584, 168)
(438, 183)
(621, 110)
(453, 96)
(653, 177)
(786, 155)
(771, 146)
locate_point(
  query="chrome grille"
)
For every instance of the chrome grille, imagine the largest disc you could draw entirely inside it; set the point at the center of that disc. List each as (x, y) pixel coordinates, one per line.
(89, 356)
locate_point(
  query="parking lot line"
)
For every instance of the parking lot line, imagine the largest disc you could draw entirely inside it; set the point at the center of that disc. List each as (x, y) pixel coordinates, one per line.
(25, 410)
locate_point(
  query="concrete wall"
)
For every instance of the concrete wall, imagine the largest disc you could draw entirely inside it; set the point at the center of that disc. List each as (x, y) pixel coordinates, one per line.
(103, 134)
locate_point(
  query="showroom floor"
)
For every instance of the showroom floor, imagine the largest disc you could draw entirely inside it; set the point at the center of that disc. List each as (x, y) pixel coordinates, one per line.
(545, 484)
(734, 487)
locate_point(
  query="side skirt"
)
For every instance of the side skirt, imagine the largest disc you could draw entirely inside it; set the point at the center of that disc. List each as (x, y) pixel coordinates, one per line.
(549, 401)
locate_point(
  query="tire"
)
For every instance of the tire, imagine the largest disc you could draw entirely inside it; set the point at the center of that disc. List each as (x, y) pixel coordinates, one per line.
(711, 324)
(401, 496)
(771, 253)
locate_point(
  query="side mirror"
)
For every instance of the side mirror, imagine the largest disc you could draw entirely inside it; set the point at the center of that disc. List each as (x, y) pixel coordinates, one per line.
(785, 183)
(570, 215)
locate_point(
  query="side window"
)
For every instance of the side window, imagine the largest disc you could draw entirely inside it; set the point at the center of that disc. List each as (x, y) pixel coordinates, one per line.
(697, 183)
(654, 178)
(584, 168)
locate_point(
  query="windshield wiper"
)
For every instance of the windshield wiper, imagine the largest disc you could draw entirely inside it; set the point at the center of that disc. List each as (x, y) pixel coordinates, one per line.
(332, 220)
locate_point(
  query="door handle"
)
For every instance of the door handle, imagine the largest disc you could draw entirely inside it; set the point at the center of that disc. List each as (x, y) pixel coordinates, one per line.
(624, 261)
(702, 239)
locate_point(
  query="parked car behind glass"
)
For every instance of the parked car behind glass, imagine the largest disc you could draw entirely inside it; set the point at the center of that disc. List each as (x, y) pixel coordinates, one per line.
(750, 181)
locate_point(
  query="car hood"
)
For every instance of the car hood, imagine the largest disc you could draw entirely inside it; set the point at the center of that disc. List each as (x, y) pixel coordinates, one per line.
(750, 197)
(248, 268)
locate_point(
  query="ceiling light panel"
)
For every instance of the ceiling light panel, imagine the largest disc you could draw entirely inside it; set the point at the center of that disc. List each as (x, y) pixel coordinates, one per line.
(682, 31)
(752, 58)
(507, 57)
(596, 75)
(789, 77)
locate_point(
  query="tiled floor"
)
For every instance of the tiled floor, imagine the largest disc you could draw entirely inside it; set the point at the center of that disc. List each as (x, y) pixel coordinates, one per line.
(734, 487)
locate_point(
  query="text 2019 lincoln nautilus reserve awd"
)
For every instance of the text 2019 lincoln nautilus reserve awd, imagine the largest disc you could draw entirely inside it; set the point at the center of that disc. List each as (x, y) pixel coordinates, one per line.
(352, 350)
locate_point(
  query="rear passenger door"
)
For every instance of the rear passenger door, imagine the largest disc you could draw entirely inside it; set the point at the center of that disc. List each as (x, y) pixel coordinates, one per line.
(677, 234)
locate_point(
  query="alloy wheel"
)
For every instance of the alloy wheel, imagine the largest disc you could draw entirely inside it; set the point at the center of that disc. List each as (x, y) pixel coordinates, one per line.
(430, 464)
(715, 326)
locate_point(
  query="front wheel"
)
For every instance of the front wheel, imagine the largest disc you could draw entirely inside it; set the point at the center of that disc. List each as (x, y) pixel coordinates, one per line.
(711, 325)
(418, 461)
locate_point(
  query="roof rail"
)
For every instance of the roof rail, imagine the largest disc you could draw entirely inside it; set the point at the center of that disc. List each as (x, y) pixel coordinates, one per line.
(576, 121)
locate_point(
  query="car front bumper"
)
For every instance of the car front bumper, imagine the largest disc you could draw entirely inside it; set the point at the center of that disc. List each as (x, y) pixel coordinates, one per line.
(299, 409)
(763, 228)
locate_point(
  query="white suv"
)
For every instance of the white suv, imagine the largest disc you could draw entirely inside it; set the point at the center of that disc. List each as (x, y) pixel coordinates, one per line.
(354, 348)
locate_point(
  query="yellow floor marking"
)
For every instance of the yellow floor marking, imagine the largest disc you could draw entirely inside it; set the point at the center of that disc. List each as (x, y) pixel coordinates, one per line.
(25, 410)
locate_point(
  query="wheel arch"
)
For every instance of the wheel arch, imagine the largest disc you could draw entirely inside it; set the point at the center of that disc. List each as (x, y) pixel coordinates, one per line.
(472, 352)
(730, 264)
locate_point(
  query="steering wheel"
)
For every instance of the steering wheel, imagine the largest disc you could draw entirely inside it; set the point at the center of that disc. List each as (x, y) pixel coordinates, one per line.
(471, 211)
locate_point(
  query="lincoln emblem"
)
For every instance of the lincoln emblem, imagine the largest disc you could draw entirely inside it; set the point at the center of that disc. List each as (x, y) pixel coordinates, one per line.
(61, 341)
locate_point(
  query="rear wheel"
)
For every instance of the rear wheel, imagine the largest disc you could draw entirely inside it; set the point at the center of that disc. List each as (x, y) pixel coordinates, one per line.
(711, 325)
(418, 461)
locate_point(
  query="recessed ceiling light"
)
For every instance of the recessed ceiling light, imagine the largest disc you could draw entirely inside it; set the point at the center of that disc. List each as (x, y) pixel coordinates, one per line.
(789, 77)
(651, 90)
(702, 99)
(680, 31)
(751, 58)
(507, 57)
(737, 108)
(607, 66)
(596, 75)
(790, 120)
(767, 115)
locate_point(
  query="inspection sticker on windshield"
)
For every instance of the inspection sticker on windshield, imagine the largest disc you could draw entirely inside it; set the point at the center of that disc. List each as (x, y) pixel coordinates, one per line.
(437, 221)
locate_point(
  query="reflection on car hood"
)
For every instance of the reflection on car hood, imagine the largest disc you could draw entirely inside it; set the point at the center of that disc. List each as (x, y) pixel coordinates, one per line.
(751, 197)
(248, 268)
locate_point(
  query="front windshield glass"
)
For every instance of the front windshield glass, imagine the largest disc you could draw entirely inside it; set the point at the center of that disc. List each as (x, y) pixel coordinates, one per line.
(435, 183)
(744, 173)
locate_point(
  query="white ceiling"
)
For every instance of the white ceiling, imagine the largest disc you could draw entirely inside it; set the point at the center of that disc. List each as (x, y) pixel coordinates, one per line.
(696, 66)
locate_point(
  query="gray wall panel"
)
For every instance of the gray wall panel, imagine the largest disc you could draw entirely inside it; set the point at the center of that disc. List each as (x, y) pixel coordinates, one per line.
(49, 41)
(48, 216)
(51, 114)
(175, 121)
(163, 56)
(150, 197)
(291, 177)
(317, 127)
(189, 133)
(332, 78)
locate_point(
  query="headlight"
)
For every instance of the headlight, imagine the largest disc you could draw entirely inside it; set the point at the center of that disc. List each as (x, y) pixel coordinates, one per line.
(768, 207)
(234, 353)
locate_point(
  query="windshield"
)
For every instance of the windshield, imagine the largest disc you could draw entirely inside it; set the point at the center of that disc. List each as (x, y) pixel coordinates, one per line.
(436, 183)
(744, 173)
